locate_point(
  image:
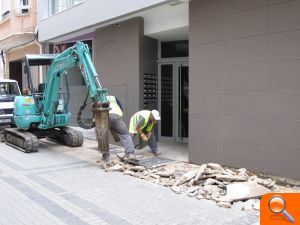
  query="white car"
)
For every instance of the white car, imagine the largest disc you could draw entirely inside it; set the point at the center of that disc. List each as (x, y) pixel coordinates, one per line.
(9, 89)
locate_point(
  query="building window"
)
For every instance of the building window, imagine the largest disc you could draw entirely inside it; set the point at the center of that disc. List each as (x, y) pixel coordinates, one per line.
(61, 5)
(173, 49)
(23, 7)
(4, 9)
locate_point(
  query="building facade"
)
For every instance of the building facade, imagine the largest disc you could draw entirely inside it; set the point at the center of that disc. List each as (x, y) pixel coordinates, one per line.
(18, 21)
(223, 73)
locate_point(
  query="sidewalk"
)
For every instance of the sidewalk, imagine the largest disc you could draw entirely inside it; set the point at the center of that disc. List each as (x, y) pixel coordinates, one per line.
(174, 151)
(61, 185)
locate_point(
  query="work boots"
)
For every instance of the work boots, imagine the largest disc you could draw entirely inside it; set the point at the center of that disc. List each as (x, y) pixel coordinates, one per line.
(156, 153)
(127, 157)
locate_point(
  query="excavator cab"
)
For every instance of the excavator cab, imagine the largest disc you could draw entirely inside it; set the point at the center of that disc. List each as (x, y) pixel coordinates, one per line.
(37, 64)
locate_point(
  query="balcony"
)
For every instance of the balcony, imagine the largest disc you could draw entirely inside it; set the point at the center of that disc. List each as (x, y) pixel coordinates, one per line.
(17, 27)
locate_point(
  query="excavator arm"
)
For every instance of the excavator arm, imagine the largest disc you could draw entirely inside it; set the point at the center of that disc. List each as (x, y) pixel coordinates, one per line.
(78, 55)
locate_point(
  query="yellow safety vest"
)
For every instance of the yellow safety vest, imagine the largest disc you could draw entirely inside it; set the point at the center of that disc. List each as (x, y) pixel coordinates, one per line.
(135, 118)
(115, 108)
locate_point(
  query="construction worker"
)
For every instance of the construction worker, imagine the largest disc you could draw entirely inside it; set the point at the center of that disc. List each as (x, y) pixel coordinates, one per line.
(142, 123)
(118, 127)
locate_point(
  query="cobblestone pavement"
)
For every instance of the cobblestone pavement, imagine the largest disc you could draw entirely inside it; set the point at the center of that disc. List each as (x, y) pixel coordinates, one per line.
(60, 185)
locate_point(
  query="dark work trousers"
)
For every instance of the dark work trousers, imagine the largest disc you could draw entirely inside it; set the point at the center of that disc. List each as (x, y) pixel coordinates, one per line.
(116, 124)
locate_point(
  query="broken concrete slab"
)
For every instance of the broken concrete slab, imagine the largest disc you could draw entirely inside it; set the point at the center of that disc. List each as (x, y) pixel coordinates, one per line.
(154, 176)
(228, 172)
(167, 182)
(111, 163)
(211, 190)
(231, 178)
(186, 177)
(200, 171)
(251, 204)
(165, 173)
(269, 183)
(138, 168)
(211, 181)
(244, 190)
(224, 204)
(214, 166)
(192, 189)
(200, 196)
(193, 194)
(116, 168)
(176, 189)
(242, 171)
(283, 189)
(130, 173)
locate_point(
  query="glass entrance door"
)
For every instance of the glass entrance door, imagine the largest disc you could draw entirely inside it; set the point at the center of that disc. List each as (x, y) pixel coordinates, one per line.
(182, 103)
(174, 101)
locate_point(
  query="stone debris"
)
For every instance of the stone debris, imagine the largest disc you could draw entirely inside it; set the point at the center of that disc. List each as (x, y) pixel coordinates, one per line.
(268, 183)
(192, 190)
(231, 178)
(167, 182)
(214, 166)
(193, 194)
(199, 173)
(138, 168)
(154, 176)
(112, 163)
(130, 173)
(186, 177)
(165, 173)
(224, 204)
(211, 181)
(242, 172)
(115, 168)
(251, 204)
(176, 189)
(199, 197)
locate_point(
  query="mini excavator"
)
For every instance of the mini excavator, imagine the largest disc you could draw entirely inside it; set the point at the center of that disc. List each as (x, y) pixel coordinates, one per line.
(41, 114)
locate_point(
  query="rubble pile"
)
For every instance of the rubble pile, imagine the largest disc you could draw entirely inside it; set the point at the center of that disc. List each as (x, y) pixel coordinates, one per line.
(211, 181)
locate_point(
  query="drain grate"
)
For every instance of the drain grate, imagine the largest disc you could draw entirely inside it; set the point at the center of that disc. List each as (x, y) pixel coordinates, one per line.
(154, 161)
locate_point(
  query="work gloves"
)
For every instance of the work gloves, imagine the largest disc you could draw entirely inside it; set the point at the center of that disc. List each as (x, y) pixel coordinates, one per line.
(144, 137)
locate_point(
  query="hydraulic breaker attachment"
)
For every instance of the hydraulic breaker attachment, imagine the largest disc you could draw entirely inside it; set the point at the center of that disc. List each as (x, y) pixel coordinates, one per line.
(101, 116)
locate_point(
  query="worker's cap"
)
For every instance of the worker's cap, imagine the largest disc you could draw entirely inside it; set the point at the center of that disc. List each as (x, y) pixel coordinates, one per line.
(155, 114)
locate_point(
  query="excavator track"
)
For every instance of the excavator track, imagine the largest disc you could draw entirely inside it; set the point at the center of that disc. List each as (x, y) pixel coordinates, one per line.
(67, 136)
(21, 139)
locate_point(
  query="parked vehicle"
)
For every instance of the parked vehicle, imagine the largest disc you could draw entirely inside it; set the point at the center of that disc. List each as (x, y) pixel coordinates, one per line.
(9, 89)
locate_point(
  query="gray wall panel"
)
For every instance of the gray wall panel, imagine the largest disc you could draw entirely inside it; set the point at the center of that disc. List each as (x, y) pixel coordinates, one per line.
(117, 57)
(245, 84)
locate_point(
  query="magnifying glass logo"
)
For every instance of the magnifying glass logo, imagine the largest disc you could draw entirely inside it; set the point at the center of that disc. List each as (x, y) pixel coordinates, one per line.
(277, 205)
